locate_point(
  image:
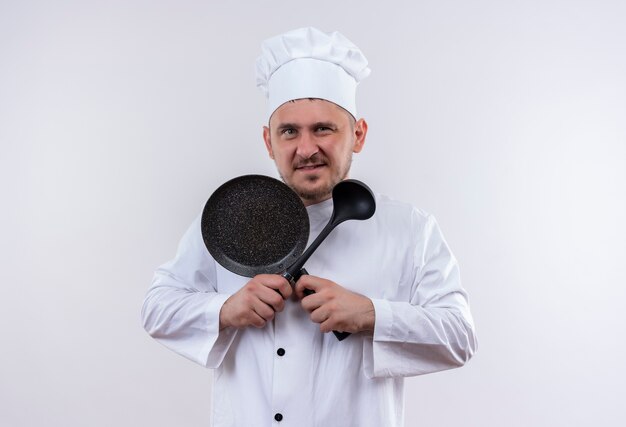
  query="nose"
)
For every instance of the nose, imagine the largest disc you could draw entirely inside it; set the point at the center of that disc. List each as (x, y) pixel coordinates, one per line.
(307, 146)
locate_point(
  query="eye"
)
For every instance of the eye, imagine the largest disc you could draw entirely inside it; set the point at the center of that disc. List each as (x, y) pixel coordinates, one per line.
(323, 129)
(288, 132)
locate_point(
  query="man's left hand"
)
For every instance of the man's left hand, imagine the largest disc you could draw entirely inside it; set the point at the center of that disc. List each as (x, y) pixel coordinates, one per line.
(334, 307)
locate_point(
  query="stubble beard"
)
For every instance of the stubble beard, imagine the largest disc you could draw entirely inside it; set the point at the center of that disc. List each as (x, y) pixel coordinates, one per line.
(321, 193)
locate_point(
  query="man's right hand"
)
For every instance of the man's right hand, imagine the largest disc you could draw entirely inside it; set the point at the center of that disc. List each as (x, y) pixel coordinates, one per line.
(255, 303)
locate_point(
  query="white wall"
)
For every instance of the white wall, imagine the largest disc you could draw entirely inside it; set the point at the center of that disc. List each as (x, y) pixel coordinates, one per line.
(504, 119)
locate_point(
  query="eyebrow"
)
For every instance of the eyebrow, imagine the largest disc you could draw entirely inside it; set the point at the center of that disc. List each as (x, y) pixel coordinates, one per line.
(324, 125)
(288, 126)
(315, 125)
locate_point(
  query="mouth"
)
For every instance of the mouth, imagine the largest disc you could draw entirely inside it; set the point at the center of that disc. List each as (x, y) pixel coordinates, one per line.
(309, 168)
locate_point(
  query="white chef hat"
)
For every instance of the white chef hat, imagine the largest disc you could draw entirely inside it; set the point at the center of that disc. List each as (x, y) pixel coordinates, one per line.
(308, 63)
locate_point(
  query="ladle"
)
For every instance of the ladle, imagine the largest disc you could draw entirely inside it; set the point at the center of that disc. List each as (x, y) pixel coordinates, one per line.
(352, 199)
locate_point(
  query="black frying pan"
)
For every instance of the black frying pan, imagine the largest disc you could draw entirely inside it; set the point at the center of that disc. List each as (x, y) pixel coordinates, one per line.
(255, 224)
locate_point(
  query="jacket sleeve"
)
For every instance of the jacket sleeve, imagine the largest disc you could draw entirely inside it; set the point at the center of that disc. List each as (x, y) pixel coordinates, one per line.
(182, 307)
(433, 330)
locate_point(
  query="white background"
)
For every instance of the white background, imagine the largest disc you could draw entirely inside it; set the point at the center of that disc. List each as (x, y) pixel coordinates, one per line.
(505, 119)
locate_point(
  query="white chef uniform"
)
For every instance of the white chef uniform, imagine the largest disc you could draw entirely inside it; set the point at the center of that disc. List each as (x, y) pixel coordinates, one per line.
(289, 370)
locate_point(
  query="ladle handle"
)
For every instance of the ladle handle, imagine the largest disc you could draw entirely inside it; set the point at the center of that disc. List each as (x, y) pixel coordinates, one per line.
(340, 335)
(296, 270)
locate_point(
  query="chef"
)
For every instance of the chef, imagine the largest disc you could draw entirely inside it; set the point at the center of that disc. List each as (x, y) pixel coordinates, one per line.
(391, 281)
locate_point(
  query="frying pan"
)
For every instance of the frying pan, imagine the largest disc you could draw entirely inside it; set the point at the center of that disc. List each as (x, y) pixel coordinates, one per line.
(255, 224)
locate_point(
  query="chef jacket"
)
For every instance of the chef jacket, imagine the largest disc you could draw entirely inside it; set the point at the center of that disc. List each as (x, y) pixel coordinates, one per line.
(288, 373)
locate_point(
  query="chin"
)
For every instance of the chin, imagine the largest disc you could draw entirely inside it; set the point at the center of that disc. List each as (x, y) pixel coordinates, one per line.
(313, 193)
(313, 186)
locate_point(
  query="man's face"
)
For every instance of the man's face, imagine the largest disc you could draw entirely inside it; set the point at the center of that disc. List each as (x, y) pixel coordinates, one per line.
(312, 141)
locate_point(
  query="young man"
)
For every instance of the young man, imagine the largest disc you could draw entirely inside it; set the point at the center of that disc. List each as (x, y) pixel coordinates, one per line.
(391, 280)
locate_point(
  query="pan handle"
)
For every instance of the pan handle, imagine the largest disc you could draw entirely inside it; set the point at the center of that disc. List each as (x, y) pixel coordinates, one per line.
(340, 335)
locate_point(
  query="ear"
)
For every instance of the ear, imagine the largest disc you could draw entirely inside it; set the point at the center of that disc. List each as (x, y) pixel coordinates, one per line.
(268, 141)
(360, 132)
